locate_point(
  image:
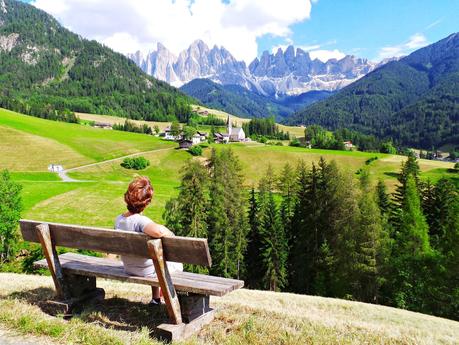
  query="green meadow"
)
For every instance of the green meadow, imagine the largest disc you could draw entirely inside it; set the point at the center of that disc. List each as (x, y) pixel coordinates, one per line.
(29, 144)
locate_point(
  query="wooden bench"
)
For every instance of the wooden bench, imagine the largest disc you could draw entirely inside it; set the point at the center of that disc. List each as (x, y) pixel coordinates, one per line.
(74, 275)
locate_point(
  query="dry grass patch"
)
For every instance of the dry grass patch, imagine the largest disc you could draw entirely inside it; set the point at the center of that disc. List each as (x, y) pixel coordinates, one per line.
(120, 120)
(243, 317)
(20, 151)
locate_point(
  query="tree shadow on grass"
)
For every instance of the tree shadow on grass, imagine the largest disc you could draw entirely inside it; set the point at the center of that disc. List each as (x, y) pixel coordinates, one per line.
(392, 174)
(113, 313)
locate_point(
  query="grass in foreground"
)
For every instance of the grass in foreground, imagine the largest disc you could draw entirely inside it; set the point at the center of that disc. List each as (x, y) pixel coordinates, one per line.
(243, 317)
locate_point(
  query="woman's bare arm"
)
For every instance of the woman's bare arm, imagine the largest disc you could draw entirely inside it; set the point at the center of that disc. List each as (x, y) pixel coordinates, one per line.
(157, 230)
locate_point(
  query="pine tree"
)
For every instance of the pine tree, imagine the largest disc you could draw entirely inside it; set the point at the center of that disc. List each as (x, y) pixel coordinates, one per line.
(382, 198)
(300, 260)
(411, 251)
(287, 185)
(227, 217)
(339, 215)
(409, 168)
(254, 273)
(10, 213)
(428, 204)
(368, 240)
(274, 249)
(443, 295)
(187, 214)
(413, 232)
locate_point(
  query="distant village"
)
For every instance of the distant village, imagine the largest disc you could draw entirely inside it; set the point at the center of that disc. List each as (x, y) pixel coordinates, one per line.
(232, 134)
(237, 134)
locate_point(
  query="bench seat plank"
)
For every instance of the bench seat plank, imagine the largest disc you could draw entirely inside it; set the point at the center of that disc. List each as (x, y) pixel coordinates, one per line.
(113, 269)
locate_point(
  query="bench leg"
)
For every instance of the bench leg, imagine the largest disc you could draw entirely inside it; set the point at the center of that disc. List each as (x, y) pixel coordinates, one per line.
(171, 332)
(193, 306)
(81, 290)
(155, 249)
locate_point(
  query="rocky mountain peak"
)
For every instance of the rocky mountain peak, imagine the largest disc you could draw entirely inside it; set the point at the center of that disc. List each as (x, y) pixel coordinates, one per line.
(289, 71)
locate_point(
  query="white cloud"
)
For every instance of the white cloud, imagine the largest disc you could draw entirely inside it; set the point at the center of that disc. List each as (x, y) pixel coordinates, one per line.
(416, 41)
(127, 26)
(325, 55)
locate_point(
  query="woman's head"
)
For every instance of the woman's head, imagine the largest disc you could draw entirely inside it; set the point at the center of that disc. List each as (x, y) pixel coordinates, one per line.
(139, 194)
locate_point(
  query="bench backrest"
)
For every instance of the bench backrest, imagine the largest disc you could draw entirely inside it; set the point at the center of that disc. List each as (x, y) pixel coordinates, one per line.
(187, 250)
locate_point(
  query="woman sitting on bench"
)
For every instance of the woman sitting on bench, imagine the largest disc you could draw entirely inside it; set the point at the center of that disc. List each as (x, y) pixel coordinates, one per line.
(137, 198)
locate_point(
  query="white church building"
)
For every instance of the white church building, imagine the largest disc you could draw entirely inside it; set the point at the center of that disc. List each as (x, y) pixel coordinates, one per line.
(235, 133)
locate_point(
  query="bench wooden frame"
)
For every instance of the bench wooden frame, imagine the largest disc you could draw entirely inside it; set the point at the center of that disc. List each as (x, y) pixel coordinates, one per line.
(74, 275)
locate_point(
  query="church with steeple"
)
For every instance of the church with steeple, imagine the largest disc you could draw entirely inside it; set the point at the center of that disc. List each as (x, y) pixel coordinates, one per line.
(235, 134)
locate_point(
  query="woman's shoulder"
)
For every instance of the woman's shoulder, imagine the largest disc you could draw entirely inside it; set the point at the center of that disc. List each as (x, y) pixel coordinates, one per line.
(143, 219)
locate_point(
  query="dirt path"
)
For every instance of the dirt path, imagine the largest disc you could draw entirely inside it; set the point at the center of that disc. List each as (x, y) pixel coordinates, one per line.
(65, 178)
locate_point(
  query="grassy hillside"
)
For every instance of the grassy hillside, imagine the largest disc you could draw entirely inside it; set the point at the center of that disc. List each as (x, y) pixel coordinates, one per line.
(243, 317)
(29, 144)
(83, 144)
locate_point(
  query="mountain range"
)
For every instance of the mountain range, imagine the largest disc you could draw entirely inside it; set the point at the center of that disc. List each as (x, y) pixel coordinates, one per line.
(414, 101)
(289, 72)
(48, 71)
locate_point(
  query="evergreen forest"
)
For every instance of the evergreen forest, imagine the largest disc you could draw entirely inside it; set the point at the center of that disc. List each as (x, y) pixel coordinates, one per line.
(319, 230)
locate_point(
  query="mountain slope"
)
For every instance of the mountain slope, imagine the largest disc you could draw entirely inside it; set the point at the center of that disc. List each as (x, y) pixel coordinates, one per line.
(46, 69)
(233, 99)
(414, 100)
(237, 100)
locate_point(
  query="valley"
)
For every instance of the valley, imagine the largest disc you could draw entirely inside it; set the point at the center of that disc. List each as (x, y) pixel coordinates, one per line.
(73, 145)
(319, 162)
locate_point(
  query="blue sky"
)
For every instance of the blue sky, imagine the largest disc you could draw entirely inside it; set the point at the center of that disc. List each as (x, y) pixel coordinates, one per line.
(364, 27)
(373, 29)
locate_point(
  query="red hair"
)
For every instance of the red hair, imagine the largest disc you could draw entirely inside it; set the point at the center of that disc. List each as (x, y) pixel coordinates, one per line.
(139, 194)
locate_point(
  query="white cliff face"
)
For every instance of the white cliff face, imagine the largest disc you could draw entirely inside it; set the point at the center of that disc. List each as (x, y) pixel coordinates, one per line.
(158, 63)
(7, 43)
(3, 6)
(286, 72)
(198, 61)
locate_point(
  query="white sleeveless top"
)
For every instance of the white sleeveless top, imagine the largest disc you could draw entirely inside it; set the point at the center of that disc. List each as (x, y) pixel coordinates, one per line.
(135, 265)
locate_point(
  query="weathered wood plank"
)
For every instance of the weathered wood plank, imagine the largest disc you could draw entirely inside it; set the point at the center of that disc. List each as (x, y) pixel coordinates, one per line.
(113, 269)
(182, 331)
(179, 249)
(162, 272)
(237, 284)
(52, 259)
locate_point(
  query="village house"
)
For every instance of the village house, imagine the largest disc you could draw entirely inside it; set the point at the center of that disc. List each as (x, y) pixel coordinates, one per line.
(185, 143)
(168, 135)
(221, 138)
(202, 135)
(104, 125)
(196, 139)
(55, 168)
(348, 145)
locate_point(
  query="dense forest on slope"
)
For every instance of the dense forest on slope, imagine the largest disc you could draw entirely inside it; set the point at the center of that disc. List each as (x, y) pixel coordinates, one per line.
(235, 99)
(317, 230)
(415, 100)
(47, 70)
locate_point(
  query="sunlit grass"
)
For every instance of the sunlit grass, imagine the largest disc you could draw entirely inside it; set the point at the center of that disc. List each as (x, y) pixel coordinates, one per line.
(243, 317)
(94, 144)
